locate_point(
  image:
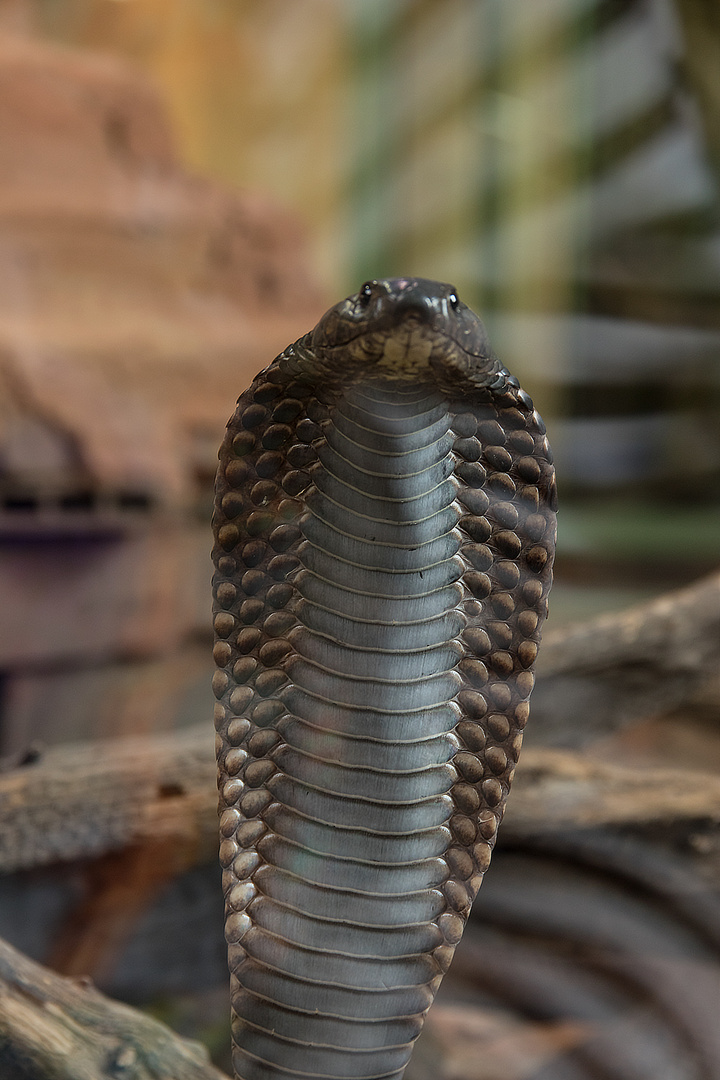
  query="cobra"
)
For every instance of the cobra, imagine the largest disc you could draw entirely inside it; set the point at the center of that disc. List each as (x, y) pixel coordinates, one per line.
(385, 530)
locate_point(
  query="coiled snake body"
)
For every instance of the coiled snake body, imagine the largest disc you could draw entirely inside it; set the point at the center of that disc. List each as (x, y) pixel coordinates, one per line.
(385, 527)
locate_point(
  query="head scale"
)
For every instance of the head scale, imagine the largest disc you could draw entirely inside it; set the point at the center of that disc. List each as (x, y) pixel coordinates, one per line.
(405, 328)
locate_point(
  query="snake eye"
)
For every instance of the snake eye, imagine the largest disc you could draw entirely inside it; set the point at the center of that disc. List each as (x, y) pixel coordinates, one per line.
(365, 292)
(453, 301)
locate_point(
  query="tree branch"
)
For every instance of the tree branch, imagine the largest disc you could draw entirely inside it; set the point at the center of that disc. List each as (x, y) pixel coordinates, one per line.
(97, 809)
(596, 677)
(62, 1029)
(84, 800)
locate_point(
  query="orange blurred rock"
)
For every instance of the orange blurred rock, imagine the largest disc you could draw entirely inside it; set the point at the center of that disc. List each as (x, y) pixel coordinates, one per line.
(136, 301)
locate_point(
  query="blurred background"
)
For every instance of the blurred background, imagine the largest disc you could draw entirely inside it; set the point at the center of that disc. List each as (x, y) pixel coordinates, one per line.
(185, 185)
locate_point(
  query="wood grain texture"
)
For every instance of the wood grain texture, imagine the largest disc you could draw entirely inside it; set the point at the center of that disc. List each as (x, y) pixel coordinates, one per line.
(64, 1029)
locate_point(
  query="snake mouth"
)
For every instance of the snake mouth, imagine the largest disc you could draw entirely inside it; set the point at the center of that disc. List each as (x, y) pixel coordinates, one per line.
(414, 350)
(409, 349)
(385, 329)
(374, 343)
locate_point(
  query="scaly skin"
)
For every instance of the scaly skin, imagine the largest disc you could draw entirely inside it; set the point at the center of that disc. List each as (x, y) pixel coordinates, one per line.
(385, 530)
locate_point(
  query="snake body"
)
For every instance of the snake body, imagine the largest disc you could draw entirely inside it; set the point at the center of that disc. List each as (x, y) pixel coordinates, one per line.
(385, 527)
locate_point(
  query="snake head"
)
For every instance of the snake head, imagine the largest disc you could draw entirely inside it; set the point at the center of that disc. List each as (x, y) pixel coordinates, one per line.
(407, 328)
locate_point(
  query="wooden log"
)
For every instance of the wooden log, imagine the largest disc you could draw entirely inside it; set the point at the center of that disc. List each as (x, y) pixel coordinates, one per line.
(80, 802)
(597, 677)
(55, 1028)
(557, 790)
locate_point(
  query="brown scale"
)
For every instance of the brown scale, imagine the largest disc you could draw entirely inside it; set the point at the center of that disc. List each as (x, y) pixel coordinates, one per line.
(508, 540)
(256, 525)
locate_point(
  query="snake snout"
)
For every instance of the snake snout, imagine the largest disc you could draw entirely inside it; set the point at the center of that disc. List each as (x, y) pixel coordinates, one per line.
(416, 305)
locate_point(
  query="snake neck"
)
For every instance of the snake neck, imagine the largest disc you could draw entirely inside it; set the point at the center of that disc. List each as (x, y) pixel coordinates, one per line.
(378, 585)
